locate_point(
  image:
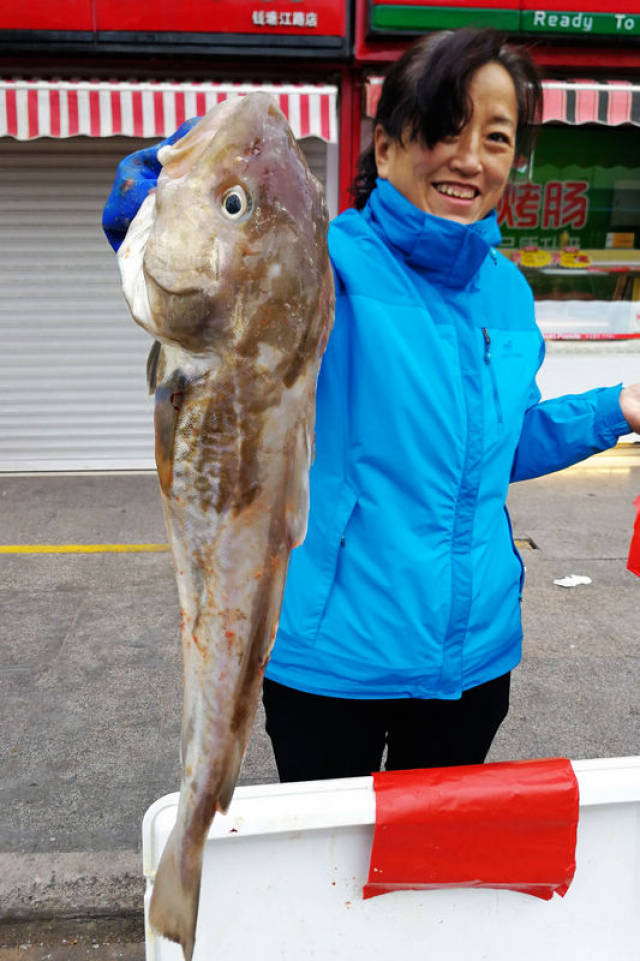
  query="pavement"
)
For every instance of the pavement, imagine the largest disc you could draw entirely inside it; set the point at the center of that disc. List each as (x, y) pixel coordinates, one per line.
(90, 681)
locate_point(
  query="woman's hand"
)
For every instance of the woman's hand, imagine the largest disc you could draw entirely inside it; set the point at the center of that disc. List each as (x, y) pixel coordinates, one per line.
(630, 404)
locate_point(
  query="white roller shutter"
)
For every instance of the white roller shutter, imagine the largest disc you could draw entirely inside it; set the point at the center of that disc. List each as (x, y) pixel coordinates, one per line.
(73, 361)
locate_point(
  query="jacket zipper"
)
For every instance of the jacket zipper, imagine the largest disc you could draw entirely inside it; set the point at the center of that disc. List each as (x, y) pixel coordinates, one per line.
(492, 373)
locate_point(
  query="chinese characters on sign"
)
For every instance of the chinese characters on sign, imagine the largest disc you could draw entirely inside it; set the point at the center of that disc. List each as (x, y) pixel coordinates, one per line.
(284, 18)
(555, 205)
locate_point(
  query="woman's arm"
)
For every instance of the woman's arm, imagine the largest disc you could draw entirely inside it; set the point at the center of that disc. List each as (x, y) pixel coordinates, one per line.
(565, 430)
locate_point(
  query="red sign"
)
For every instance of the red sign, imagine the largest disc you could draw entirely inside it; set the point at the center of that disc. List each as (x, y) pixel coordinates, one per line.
(298, 17)
(322, 18)
(44, 15)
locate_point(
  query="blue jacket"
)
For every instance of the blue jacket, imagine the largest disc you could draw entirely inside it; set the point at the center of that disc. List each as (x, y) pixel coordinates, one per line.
(408, 583)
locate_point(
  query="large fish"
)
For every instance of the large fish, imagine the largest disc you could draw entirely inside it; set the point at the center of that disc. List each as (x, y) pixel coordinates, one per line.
(226, 265)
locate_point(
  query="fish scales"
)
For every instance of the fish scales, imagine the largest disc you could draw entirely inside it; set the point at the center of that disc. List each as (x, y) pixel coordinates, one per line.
(226, 265)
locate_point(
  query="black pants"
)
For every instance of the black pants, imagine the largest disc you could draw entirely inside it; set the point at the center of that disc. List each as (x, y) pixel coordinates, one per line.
(316, 737)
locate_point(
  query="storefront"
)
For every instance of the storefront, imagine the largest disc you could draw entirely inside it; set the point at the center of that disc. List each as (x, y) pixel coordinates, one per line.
(571, 220)
(74, 361)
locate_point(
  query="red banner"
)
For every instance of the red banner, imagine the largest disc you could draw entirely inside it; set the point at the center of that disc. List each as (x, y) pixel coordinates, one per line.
(44, 15)
(323, 18)
(298, 17)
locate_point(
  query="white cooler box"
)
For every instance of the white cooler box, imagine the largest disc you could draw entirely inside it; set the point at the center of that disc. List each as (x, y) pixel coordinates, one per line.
(284, 870)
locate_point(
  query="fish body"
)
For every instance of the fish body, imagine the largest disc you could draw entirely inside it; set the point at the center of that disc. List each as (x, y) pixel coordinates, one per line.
(226, 265)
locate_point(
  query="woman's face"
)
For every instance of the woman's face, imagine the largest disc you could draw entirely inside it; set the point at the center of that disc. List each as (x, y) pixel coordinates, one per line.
(463, 176)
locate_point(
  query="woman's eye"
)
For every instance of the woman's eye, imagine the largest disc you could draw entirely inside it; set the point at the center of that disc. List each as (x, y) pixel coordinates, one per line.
(235, 203)
(498, 137)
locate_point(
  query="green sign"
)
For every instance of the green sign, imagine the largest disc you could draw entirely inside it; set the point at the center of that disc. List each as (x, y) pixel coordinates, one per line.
(584, 189)
(415, 18)
(556, 21)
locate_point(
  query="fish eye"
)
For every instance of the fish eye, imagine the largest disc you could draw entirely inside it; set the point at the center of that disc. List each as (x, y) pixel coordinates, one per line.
(236, 202)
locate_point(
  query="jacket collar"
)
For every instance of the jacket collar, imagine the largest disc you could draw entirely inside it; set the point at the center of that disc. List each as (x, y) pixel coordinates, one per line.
(439, 248)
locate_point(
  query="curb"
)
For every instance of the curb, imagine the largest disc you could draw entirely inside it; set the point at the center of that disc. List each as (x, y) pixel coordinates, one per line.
(76, 884)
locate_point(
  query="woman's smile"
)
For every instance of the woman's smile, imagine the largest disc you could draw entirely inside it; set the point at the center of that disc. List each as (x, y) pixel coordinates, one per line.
(460, 191)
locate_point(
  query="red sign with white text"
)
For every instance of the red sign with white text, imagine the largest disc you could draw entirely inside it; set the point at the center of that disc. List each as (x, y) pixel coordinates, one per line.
(323, 18)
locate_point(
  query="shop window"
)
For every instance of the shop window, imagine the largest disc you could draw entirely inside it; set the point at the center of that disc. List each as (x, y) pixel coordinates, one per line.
(571, 222)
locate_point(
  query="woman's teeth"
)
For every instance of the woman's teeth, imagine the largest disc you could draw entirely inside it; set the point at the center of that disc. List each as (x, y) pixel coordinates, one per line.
(463, 193)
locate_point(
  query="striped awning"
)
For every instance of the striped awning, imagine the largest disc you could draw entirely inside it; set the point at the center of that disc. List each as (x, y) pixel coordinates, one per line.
(611, 102)
(589, 101)
(61, 108)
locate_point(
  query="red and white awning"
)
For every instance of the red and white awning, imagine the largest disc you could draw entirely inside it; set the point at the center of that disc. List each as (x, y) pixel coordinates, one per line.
(612, 102)
(62, 108)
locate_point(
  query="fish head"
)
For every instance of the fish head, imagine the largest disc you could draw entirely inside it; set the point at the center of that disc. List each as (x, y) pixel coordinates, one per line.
(239, 233)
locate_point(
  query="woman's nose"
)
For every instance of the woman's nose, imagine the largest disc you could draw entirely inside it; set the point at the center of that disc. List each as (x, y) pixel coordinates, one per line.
(466, 157)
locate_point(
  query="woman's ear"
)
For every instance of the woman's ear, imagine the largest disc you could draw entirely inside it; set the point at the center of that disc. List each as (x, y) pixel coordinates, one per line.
(383, 146)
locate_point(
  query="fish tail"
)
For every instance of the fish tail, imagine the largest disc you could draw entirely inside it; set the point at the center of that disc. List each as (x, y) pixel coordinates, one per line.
(173, 912)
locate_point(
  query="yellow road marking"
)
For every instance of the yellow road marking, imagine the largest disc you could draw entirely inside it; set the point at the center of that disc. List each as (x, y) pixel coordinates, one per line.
(80, 548)
(116, 548)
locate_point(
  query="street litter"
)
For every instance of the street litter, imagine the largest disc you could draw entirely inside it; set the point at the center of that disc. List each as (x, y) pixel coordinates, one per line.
(572, 580)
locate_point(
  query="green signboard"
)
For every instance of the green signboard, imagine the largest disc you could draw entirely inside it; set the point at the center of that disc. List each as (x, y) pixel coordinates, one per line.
(555, 21)
(386, 17)
(583, 191)
(511, 16)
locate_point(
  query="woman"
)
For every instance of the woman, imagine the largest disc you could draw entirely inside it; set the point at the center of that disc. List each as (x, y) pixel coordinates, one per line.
(401, 619)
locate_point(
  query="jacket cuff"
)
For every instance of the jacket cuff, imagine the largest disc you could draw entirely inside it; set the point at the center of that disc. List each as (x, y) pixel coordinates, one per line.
(612, 421)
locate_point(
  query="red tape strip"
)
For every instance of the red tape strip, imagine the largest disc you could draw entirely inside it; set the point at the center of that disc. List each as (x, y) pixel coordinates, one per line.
(508, 825)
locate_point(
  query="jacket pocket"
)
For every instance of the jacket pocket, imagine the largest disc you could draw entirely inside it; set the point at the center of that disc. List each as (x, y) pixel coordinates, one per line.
(510, 359)
(516, 552)
(313, 565)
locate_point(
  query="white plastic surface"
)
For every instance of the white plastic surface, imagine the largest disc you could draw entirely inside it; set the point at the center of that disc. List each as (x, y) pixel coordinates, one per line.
(284, 869)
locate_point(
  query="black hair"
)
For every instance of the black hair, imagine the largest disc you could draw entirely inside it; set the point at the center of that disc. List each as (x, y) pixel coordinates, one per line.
(425, 93)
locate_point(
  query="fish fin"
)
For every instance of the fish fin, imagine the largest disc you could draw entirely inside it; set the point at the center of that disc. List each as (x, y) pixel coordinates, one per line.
(152, 366)
(173, 912)
(169, 397)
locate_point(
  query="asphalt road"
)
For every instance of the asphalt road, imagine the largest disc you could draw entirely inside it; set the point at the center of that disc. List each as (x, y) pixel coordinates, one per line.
(90, 674)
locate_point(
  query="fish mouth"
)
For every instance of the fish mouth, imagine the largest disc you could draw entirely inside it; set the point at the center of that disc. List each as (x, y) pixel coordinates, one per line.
(185, 316)
(457, 191)
(172, 290)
